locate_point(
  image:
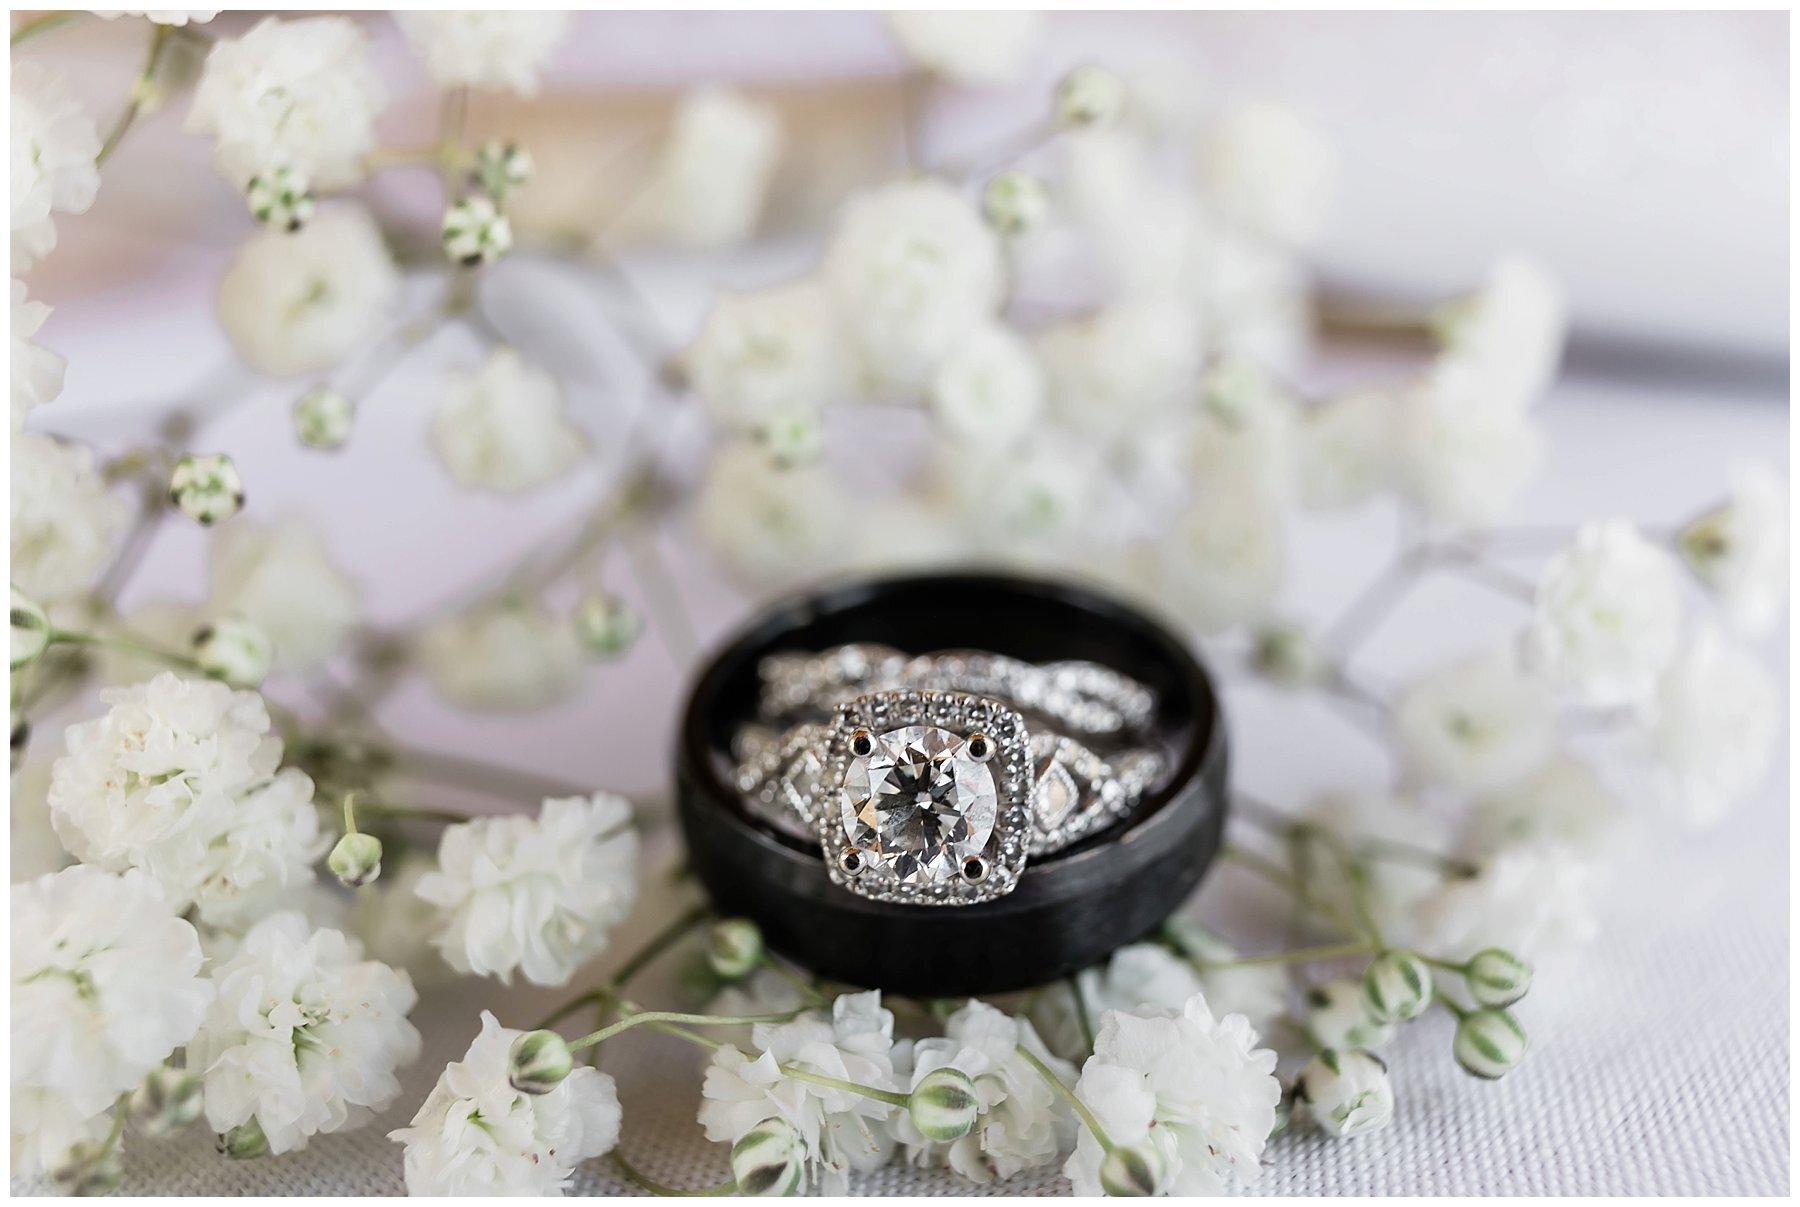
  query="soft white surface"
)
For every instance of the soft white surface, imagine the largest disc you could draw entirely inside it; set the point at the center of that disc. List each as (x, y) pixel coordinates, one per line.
(1660, 1067)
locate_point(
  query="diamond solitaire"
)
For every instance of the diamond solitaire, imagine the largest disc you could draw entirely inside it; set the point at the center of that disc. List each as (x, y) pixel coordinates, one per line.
(919, 806)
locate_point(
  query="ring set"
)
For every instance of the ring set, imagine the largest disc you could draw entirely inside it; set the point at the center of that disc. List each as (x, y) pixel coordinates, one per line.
(933, 779)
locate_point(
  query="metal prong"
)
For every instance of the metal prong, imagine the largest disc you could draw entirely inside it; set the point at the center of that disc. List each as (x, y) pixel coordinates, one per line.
(975, 869)
(980, 747)
(850, 861)
(862, 744)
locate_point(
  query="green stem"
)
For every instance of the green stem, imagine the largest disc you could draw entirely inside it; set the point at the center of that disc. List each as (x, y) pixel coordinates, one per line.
(140, 93)
(1081, 1013)
(833, 1083)
(658, 943)
(643, 1182)
(447, 817)
(125, 645)
(1300, 955)
(645, 1018)
(1075, 1104)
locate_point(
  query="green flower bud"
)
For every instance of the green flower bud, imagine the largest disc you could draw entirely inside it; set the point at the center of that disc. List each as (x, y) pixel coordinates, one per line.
(1015, 202)
(91, 1167)
(1337, 1016)
(356, 859)
(1287, 655)
(735, 948)
(943, 1105)
(539, 1062)
(235, 652)
(767, 1160)
(245, 1141)
(1397, 986)
(1132, 1172)
(21, 737)
(1497, 977)
(1089, 96)
(606, 624)
(501, 167)
(475, 232)
(793, 437)
(169, 1100)
(206, 487)
(30, 630)
(281, 200)
(1348, 1092)
(1490, 1043)
(322, 418)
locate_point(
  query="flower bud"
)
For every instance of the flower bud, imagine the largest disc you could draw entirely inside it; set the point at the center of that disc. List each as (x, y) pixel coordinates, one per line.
(91, 1167)
(1349, 1093)
(475, 232)
(1132, 1172)
(1015, 202)
(169, 1100)
(735, 948)
(206, 487)
(1337, 1016)
(1497, 977)
(235, 652)
(767, 1160)
(30, 629)
(1705, 543)
(1287, 655)
(245, 1142)
(356, 859)
(281, 200)
(539, 1062)
(1490, 1043)
(792, 437)
(322, 418)
(21, 737)
(1397, 987)
(943, 1105)
(1089, 96)
(501, 167)
(606, 625)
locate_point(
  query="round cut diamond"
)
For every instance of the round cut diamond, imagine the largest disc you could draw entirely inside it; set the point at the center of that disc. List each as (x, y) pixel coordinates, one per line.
(918, 805)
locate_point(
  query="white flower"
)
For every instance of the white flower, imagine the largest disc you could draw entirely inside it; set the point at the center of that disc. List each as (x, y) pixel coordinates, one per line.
(1089, 96)
(512, 656)
(497, 51)
(1390, 886)
(536, 895)
(1042, 505)
(181, 778)
(711, 178)
(1563, 803)
(302, 302)
(37, 373)
(1259, 992)
(64, 519)
(304, 1035)
(1337, 1017)
(1480, 724)
(1535, 901)
(990, 389)
(106, 984)
(1348, 1093)
(1739, 551)
(1193, 1089)
(841, 1130)
(1246, 427)
(504, 427)
(1021, 1122)
(396, 925)
(979, 48)
(282, 580)
(1136, 359)
(1270, 170)
(912, 268)
(1715, 726)
(296, 94)
(1346, 449)
(46, 1127)
(161, 16)
(1227, 553)
(1510, 333)
(1139, 974)
(476, 1135)
(1464, 456)
(760, 356)
(771, 526)
(1608, 615)
(54, 148)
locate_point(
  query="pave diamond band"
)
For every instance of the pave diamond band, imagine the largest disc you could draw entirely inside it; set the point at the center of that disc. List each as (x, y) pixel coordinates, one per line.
(935, 796)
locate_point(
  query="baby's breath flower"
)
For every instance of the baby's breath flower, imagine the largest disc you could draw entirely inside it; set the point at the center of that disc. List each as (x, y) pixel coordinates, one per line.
(1337, 1018)
(1608, 615)
(356, 859)
(1287, 654)
(1089, 96)
(511, 656)
(245, 1142)
(282, 580)
(979, 48)
(990, 389)
(495, 51)
(206, 487)
(1015, 202)
(1490, 1043)
(322, 418)
(281, 199)
(1348, 1092)
(538, 1062)
(1481, 724)
(1497, 977)
(735, 948)
(1397, 987)
(1740, 551)
(769, 1160)
(504, 427)
(501, 168)
(1133, 1171)
(1713, 726)
(54, 149)
(1271, 171)
(607, 625)
(234, 651)
(37, 372)
(65, 519)
(943, 1105)
(792, 437)
(475, 232)
(762, 355)
(711, 177)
